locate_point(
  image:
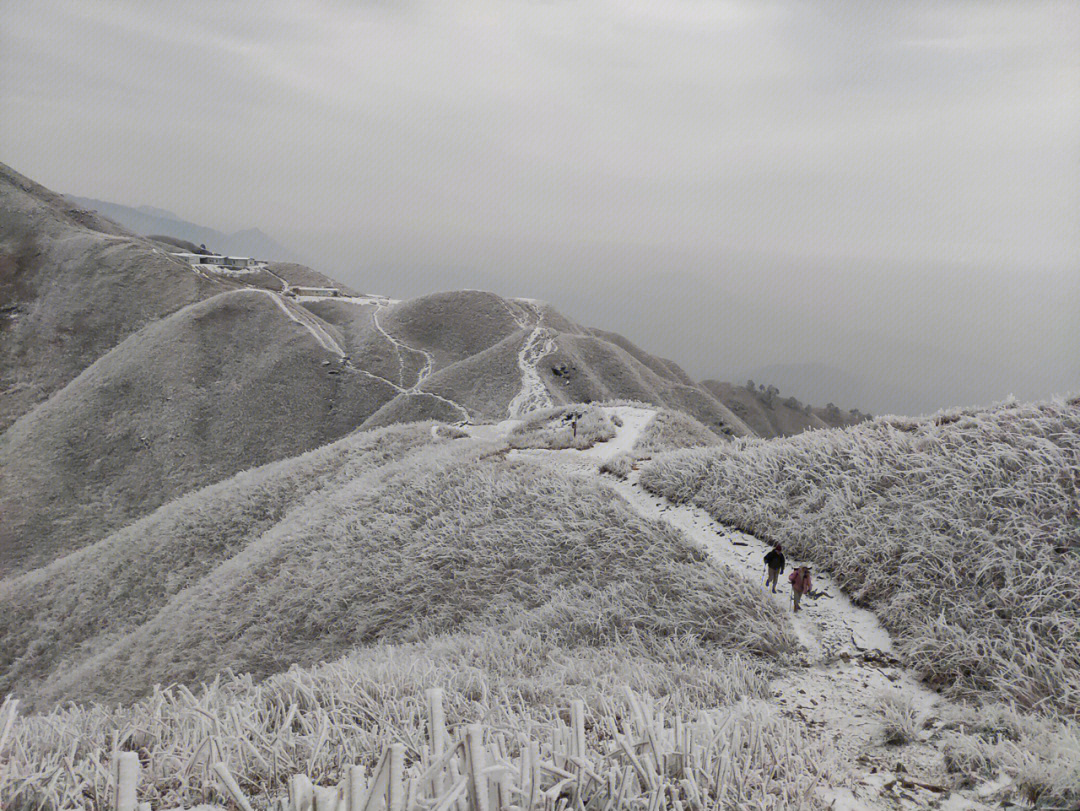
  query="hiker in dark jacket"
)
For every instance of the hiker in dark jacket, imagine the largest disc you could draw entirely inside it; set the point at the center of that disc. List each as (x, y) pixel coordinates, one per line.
(775, 561)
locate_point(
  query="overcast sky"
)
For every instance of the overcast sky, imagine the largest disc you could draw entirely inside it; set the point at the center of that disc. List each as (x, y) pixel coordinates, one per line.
(876, 203)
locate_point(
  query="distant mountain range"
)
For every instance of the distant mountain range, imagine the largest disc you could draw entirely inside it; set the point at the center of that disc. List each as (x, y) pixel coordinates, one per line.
(151, 221)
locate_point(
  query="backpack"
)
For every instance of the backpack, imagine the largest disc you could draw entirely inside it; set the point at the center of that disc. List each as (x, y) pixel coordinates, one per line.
(800, 579)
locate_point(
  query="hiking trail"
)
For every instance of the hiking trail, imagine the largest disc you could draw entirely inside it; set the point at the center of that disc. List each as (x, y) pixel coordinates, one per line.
(400, 346)
(314, 325)
(847, 664)
(533, 395)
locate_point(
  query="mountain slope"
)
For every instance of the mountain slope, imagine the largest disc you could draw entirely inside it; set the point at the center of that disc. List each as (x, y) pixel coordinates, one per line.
(134, 572)
(769, 415)
(220, 386)
(250, 376)
(131, 378)
(390, 536)
(72, 286)
(469, 346)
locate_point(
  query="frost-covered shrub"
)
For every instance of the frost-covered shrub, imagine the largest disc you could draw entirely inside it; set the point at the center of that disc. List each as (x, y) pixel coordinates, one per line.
(577, 426)
(672, 430)
(619, 465)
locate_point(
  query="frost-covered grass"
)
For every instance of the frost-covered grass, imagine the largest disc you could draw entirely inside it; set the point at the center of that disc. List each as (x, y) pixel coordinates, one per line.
(671, 430)
(902, 719)
(319, 722)
(1041, 756)
(619, 465)
(667, 431)
(120, 582)
(960, 531)
(447, 537)
(574, 426)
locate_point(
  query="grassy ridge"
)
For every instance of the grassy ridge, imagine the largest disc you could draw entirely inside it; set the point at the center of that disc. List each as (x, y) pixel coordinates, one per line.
(45, 615)
(80, 284)
(672, 430)
(448, 537)
(960, 531)
(222, 385)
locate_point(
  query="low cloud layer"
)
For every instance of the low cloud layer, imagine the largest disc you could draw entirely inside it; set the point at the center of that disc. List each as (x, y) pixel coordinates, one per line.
(891, 191)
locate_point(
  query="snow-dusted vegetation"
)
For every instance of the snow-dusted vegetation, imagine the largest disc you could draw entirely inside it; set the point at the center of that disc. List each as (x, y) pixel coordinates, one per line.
(672, 430)
(960, 531)
(554, 429)
(531, 591)
(448, 537)
(330, 724)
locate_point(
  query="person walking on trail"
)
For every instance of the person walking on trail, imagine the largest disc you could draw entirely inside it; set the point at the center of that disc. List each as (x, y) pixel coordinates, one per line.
(800, 584)
(774, 560)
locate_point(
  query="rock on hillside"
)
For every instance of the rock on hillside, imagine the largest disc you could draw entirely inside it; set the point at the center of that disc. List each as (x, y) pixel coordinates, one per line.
(72, 286)
(770, 415)
(218, 387)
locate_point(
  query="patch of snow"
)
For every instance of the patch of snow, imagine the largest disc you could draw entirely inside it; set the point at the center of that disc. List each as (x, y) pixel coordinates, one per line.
(492, 431)
(519, 314)
(235, 273)
(633, 421)
(990, 787)
(358, 300)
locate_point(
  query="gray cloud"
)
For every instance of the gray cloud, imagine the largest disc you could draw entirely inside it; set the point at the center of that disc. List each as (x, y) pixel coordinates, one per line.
(812, 162)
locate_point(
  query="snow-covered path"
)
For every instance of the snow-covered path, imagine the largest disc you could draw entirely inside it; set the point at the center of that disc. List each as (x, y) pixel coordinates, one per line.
(827, 626)
(304, 319)
(533, 395)
(314, 326)
(399, 347)
(848, 666)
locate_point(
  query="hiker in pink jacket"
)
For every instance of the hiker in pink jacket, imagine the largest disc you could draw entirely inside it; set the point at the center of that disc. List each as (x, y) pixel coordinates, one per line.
(800, 583)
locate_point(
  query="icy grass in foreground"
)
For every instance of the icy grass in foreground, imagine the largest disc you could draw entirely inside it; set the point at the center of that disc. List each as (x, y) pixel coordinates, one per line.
(320, 721)
(961, 531)
(316, 736)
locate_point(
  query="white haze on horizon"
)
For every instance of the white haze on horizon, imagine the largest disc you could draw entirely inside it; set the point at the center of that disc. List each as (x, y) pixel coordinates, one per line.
(873, 203)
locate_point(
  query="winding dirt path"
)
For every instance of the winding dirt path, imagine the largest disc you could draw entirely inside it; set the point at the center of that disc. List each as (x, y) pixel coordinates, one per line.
(425, 370)
(847, 668)
(304, 319)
